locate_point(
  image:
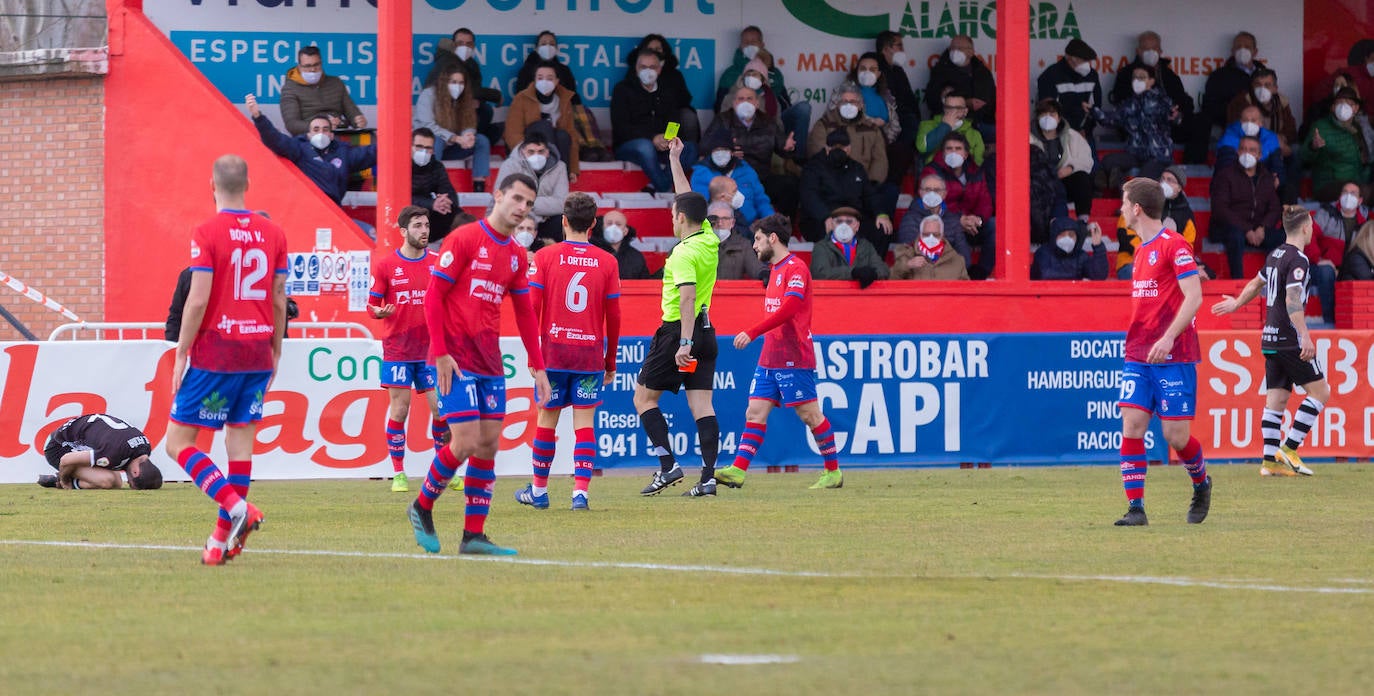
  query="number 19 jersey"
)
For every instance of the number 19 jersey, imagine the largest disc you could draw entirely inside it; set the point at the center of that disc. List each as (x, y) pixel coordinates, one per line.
(575, 279)
(244, 251)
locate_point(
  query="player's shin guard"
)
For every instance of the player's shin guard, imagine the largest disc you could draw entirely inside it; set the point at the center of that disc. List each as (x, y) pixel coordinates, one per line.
(209, 479)
(1191, 454)
(1303, 421)
(544, 445)
(1133, 471)
(478, 486)
(656, 427)
(584, 454)
(396, 444)
(708, 431)
(1271, 427)
(440, 473)
(437, 430)
(749, 443)
(825, 442)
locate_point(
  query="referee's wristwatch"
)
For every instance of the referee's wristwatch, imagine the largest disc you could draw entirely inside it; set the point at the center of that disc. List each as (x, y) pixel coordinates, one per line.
(684, 342)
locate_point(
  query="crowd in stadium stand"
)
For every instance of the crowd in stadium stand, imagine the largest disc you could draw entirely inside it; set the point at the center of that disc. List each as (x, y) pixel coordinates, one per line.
(761, 154)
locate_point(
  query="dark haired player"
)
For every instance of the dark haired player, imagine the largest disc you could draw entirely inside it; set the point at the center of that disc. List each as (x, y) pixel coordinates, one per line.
(97, 450)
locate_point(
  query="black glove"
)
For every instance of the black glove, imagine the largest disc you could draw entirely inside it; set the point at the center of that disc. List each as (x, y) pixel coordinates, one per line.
(864, 275)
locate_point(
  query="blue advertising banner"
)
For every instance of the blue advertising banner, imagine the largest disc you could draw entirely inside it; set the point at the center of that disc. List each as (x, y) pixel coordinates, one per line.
(1025, 399)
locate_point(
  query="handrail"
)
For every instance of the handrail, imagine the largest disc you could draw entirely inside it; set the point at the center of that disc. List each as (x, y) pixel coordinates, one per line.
(303, 327)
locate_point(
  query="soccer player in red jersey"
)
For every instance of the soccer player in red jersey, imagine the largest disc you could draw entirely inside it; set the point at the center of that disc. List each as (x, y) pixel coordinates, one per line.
(1160, 374)
(479, 265)
(786, 373)
(576, 289)
(231, 329)
(397, 297)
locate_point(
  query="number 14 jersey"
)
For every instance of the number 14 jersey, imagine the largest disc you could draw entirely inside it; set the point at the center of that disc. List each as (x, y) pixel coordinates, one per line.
(574, 282)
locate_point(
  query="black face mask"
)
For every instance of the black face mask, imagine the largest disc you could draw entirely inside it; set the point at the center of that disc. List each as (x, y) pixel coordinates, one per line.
(839, 156)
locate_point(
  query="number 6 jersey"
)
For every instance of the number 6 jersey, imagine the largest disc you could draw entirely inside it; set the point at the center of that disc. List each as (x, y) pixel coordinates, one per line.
(577, 290)
(244, 252)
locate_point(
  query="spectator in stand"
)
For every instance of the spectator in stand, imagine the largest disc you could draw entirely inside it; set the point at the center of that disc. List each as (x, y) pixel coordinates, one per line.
(1047, 198)
(737, 260)
(961, 70)
(1361, 62)
(613, 233)
(845, 256)
(1245, 207)
(969, 196)
(536, 159)
(929, 256)
(671, 79)
(1147, 53)
(640, 111)
(323, 159)
(1276, 114)
(747, 198)
(952, 118)
(547, 106)
(832, 179)
(449, 110)
(461, 50)
(1146, 117)
(1359, 261)
(892, 60)
(1073, 82)
(753, 67)
(526, 236)
(1223, 85)
(1328, 89)
(1335, 225)
(881, 110)
(545, 54)
(930, 201)
(307, 92)
(755, 138)
(1177, 216)
(1336, 149)
(867, 143)
(1068, 153)
(1065, 258)
(430, 187)
(1251, 124)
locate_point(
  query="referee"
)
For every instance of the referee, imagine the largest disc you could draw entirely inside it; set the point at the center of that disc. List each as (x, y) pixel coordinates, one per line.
(683, 353)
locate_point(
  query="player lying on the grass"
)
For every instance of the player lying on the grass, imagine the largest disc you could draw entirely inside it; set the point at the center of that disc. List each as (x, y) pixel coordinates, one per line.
(397, 297)
(97, 450)
(576, 291)
(786, 373)
(1290, 355)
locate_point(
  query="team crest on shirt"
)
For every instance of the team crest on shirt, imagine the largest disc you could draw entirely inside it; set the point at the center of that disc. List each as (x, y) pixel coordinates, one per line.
(491, 402)
(446, 260)
(1154, 257)
(777, 281)
(514, 264)
(1298, 274)
(338, 163)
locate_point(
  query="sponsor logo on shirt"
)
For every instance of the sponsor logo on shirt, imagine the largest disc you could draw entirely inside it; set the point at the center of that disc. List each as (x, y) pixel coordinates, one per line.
(245, 327)
(796, 283)
(214, 408)
(569, 333)
(486, 290)
(479, 266)
(398, 272)
(1145, 288)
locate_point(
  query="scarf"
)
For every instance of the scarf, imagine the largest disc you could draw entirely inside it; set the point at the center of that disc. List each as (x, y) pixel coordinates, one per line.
(930, 252)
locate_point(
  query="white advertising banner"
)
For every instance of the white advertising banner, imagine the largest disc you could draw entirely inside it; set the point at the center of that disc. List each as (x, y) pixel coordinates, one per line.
(246, 46)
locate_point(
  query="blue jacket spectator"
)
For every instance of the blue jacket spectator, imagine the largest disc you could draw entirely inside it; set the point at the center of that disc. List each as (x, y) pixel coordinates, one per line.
(329, 166)
(720, 160)
(1064, 257)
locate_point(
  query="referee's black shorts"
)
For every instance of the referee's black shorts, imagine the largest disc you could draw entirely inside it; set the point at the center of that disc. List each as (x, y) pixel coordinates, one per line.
(660, 372)
(1285, 368)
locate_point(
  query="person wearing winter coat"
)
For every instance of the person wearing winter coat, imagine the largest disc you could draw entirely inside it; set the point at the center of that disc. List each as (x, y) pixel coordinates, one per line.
(1359, 263)
(1068, 153)
(1074, 83)
(547, 105)
(962, 70)
(1336, 150)
(929, 256)
(843, 256)
(1146, 116)
(749, 198)
(1334, 226)
(1064, 258)
(832, 179)
(967, 194)
(540, 161)
(613, 233)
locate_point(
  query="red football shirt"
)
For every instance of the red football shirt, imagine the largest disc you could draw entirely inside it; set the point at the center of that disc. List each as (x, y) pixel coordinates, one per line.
(402, 281)
(477, 268)
(575, 280)
(1156, 297)
(244, 252)
(788, 345)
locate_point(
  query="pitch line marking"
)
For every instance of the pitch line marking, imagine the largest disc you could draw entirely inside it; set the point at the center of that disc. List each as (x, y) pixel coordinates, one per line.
(1261, 586)
(716, 659)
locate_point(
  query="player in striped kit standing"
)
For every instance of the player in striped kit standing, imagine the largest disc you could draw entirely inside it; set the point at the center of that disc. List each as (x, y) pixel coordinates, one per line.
(576, 289)
(786, 374)
(397, 297)
(1290, 355)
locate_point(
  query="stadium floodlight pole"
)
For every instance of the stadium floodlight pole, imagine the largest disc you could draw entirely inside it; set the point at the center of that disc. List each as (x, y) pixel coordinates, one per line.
(394, 38)
(1013, 126)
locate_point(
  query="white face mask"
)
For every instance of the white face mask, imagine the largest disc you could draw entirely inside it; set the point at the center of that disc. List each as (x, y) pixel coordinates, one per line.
(1150, 57)
(1048, 123)
(463, 52)
(313, 77)
(524, 238)
(547, 51)
(931, 200)
(1084, 68)
(537, 161)
(745, 110)
(421, 157)
(750, 52)
(720, 158)
(849, 112)
(1247, 160)
(930, 240)
(1349, 201)
(1263, 95)
(753, 82)
(320, 141)
(1168, 188)
(737, 200)
(721, 234)
(958, 57)
(843, 233)
(1066, 244)
(954, 160)
(899, 58)
(613, 234)
(1344, 112)
(1139, 86)
(1250, 128)
(1243, 56)
(1369, 68)
(647, 76)
(544, 87)
(455, 90)
(868, 79)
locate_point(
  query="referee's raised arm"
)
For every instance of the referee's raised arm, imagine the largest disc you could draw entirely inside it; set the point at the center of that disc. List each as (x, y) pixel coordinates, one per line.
(681, 184)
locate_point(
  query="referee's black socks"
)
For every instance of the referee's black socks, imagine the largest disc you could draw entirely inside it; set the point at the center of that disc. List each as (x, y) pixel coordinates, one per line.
(656, 426)
(708, 430)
